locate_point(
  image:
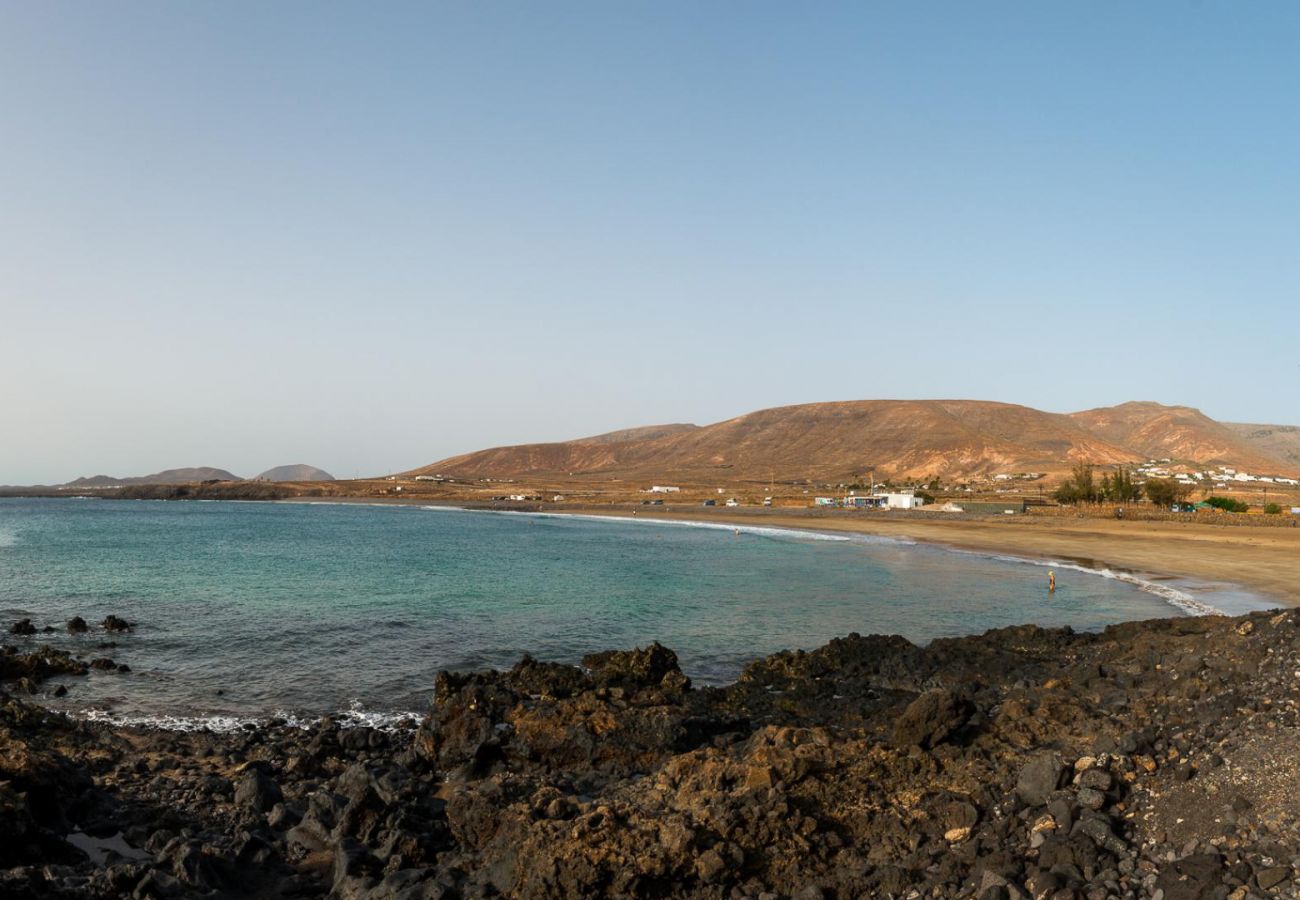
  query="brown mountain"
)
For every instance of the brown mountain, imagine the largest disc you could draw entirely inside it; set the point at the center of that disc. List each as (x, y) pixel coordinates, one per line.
(898, 438)
(167, 476)
(893, 438)
(1175, 432)
(296, 472)
(1280, 441)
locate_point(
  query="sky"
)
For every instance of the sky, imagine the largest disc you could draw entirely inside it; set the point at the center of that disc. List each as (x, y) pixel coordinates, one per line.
(369, 236)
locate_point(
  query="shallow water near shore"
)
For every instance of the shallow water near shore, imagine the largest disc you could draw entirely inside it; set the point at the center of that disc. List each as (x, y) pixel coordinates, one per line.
(250, 610)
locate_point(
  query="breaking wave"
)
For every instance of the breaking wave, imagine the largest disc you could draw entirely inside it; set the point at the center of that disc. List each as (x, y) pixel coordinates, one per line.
(355, 716)
(1180, 600)
(759, 530)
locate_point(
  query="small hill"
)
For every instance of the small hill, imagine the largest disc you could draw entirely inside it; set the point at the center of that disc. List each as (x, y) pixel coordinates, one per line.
(297, 472)
(1281, 441)
(1180, 433)
(167, 476)
(95, 481)
(184, 476)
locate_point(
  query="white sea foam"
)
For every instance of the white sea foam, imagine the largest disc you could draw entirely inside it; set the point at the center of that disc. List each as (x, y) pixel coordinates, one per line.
(1171, 595)
(760, 530)
(356, 716)
(1180, 600)
(8, 537)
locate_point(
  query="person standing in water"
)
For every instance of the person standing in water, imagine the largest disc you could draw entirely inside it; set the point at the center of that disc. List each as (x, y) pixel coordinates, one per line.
(1051, 582)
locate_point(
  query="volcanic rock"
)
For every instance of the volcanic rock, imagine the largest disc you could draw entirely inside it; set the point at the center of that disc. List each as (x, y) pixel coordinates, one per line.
(931, 718)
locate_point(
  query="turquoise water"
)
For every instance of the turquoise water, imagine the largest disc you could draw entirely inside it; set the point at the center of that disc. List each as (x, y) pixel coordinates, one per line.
(254, 609)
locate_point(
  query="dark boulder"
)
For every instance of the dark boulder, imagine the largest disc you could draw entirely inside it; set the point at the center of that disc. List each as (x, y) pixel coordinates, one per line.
(256, 792)
(931, 718)
(114, 623)
(23, 627)
(1196, 877)
(15, 823)
(77, 625)
(1039, 778)
(654, 666)
(38, 665)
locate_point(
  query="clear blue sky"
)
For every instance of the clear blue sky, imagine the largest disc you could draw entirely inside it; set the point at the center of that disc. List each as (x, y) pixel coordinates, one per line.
(366, 236)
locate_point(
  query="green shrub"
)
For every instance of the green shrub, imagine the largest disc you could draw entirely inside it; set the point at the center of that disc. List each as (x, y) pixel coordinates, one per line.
(1166, 491)
(1273, 509)
(1227, 504)
(1079, 488)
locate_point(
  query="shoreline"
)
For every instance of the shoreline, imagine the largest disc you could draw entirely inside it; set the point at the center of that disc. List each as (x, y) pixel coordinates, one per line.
(393, 719)
(1266, 568)
(175, 717)
(1147, 582)
(1264, 562)
(1092, 545)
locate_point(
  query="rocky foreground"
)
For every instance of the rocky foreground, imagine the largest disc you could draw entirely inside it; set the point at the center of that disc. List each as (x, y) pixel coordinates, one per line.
(1157, 759)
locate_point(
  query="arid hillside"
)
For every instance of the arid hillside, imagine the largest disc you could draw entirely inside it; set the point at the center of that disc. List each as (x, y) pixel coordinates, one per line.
(1280, 441)
(1177, 432)
(891, 438)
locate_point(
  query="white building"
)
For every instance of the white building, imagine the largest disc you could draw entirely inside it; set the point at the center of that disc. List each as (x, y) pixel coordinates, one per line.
(664, 489)
(906, 500)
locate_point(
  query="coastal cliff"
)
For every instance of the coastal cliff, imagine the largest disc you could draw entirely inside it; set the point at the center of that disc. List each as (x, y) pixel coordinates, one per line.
(1153, 759)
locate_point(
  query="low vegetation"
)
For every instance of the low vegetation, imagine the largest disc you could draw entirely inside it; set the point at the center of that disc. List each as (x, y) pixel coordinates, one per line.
(1082, 487)
(1166, 491)
(1120, 487)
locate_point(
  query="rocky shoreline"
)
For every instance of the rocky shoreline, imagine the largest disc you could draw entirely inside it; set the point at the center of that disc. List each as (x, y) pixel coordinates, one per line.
(1155, 759)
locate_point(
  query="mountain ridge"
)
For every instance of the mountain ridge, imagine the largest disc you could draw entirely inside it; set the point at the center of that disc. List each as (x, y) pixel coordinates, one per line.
(192, 474)
(892, 438)
(166, 476)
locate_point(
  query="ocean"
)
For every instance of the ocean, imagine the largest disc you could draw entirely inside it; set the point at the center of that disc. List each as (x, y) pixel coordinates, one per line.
(248, 611)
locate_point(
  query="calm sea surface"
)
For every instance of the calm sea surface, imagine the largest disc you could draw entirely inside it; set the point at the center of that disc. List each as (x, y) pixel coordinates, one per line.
(256, 609)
